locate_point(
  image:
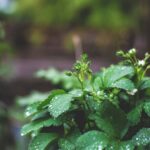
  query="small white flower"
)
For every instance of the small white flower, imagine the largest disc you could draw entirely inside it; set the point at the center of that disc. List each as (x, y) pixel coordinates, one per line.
(141, 62)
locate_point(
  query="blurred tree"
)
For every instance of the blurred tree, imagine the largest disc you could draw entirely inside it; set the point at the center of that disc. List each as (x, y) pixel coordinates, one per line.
(88, 13)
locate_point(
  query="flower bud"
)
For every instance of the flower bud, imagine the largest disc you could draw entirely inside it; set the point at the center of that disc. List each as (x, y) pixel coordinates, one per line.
(120, 53)
(132, 51)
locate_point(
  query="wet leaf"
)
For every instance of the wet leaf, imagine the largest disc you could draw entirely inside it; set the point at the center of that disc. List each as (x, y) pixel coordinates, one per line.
(92, 140)
(41, 141)
(38, 124)
(142, 137)
(60, 104)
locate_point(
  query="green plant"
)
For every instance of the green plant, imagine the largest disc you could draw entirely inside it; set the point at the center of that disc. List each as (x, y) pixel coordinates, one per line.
(110, 110)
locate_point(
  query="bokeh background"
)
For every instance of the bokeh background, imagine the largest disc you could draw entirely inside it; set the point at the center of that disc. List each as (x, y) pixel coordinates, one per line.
(53, 33)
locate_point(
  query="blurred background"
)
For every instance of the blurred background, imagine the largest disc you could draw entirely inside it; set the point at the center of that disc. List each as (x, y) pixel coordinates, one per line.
(53, 33)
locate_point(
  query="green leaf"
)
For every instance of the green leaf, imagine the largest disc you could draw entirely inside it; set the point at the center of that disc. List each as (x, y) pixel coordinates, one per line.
(92, 140)
(42, 140)
(134, 115)
(145, 83)
(147, 108)
(47, 100)
(142, 137)
(38, 124)
(60, 104)
(111, 120)
(112, 76)
(124, 83)
(115, 73)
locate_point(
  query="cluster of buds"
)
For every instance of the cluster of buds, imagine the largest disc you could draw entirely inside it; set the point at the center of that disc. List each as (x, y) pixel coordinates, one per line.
(140, 66)
(130, 53)
(130, 56)
(81, 69)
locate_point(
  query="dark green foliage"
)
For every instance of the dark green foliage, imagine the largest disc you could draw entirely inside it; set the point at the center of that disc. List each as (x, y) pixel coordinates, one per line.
(111, 120)
(100, 113)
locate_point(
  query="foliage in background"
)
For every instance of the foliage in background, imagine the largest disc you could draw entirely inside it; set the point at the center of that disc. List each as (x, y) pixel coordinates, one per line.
(5, 50)
(110, 110)
(100, 13)
(58, 78)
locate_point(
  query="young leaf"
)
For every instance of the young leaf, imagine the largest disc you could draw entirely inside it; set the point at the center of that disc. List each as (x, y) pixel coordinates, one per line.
(38, 124)
(42, 140)
(60, 104)
(92, 140)
(142, 137)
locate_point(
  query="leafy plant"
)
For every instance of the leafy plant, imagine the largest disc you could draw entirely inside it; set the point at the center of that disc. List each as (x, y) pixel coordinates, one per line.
(109, 110)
